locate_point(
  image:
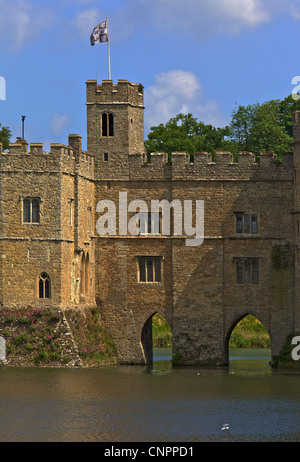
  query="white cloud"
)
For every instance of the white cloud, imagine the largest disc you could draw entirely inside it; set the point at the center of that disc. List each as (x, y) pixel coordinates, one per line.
(59, 122)
(179, 91)
(294, 8)
(86, 20)
(200, 18)
(214, 16)
(22, 22)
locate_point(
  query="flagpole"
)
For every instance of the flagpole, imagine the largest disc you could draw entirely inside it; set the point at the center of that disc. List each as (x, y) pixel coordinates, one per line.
(108, 50)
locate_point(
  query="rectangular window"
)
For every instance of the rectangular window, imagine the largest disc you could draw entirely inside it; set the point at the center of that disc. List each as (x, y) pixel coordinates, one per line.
(31, 210)
(149, 269)
(246, 223)
(105, 157)
(150, 223)
(247, 271)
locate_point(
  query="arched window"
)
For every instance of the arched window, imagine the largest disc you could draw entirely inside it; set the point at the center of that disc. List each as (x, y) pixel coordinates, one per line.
(107, 124)
(44, 286)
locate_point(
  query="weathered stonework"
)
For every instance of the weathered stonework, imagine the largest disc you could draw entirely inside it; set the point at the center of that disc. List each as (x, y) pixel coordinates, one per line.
(198, 292)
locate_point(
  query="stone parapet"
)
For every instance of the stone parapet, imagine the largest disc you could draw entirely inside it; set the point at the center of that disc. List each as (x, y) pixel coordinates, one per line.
(203, 168)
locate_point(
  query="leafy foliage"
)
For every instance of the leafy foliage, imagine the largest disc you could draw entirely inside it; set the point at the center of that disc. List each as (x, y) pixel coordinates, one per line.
(184, 133)
(255, 128)
(5, 135)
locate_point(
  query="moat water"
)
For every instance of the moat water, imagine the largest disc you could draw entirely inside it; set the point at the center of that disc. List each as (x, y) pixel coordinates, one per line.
(158, 404)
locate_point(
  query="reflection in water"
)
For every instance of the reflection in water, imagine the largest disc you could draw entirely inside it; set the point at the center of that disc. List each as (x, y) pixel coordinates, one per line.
(125, 404)
(246, 361)
(162, 361)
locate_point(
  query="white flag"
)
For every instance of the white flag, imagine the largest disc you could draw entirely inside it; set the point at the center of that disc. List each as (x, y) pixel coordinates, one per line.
(99, 33)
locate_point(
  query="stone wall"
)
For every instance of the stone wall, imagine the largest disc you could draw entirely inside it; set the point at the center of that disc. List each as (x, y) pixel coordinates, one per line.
(197, 290)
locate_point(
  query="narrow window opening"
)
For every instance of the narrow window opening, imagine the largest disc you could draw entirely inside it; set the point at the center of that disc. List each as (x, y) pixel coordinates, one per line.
(44, 286)
(247, 224)
(247, 270)
(104, 124)
(26, 211)
(255, 272)
(111, 124)
(254, 224)
(142, 266)
(239, 224)
(240, 272)
(108, 124)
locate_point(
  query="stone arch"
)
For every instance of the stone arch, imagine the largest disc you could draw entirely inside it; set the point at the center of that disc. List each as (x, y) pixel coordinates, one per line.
(44, 285)
(233, 324)
(146, 338)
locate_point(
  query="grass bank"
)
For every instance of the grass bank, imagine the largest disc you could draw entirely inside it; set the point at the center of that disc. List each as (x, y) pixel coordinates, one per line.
(161, 332)
(250, 333)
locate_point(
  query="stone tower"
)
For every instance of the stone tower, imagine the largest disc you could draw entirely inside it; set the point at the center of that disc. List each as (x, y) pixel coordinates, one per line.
(115, 126)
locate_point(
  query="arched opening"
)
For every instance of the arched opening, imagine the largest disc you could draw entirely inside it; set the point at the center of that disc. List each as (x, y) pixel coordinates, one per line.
(44, 286)
(107, 124)
(248, 344)
(156, 339)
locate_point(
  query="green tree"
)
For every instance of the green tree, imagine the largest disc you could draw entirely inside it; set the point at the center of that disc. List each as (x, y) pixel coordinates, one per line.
(5, 135)
(184, 133)
(287, 107)
(266, 127)
(241, 126)
(268, 132)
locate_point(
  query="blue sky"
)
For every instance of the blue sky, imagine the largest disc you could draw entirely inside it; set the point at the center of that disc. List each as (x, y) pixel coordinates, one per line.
(198, 56)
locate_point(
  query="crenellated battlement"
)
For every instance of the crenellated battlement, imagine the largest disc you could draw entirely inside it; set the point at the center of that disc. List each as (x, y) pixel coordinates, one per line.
(223, 167)
(124, 92)
(60, 158)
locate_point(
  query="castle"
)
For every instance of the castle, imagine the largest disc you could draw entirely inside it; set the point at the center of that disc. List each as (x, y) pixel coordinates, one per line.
(52, 255)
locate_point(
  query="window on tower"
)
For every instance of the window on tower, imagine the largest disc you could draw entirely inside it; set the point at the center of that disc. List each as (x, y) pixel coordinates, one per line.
(31, 210)
(44, 286)
(107, 124)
